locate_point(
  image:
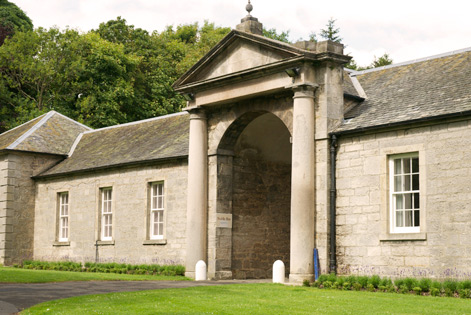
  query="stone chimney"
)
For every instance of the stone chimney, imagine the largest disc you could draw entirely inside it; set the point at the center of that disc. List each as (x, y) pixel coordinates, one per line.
(250, 24)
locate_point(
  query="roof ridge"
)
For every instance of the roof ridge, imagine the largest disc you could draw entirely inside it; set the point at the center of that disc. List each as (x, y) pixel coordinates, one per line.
(74, 121)
(22, 124)
(446, 54)
(136, 122)
(31, 130)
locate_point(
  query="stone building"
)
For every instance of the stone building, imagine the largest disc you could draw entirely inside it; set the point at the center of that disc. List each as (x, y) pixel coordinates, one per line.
(279, 151)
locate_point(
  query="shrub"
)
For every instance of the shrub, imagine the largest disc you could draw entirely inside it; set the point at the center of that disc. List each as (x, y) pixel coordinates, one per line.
(347, 285)
(417, 290)
(436, 285)
(363, 280)
(357, 286)
(385, 282)
(374, 280)
(327, 284)
(332, 277)
(435, 292)
(411, 283)
(322, 279)
(306, 283)
(464, 293)
(403, 289)
(370, 287)
(451, 285)
(425, 284)
(399, 282)
(351, 279)
(391, 288)
(382, 288)
(340, 281)
(449, 292)
(466, 284)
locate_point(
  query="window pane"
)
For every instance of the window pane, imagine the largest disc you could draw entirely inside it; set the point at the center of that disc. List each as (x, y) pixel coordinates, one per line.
(161, 228)
(408, 201)
(160, 202)
(407, 183)
(416, 201)
(397, 183)
(406, 166)
(408, 218)
(415, 182)
(416, 218)
(399, 219)
(397, 166)
(399, 202)
(415, 165)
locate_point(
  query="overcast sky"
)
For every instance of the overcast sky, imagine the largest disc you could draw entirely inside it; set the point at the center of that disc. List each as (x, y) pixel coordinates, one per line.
(406, 30)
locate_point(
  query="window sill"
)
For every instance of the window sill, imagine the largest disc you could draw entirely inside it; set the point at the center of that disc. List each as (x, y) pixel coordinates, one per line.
(155, 242)
(104, 243)
(403, 237)
(57, 244)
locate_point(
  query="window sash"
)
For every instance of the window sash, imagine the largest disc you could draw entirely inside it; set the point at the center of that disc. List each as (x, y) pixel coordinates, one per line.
(106, 214)
(404, 194)
(63, 217)
(157, 199)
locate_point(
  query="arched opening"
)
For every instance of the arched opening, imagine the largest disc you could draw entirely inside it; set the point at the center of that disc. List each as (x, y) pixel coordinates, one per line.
(261, 189)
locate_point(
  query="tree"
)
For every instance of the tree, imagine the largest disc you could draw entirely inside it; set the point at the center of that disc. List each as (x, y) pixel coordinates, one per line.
(331, 32)
(273, 34)
(384, 60)
(12, 19)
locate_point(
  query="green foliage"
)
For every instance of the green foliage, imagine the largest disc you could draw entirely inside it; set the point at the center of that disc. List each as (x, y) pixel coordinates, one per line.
(417, 290)
(363, 281)
(12, 19)
(466, 284)
(327, 284)
(464, 293)
(425, 284)
(370, 287)
(357, 286)
(403, 289)
(273, 34)
(450, 285)
(411, 283)
(167, 270)
(331, 32)
(384, 60)
(435, 292)
(374, 280)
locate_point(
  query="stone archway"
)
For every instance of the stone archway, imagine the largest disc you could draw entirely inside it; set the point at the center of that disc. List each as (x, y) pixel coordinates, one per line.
(261, 187)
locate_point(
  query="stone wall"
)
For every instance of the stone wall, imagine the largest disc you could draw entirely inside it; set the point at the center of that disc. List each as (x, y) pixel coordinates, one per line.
(17, 195)
(261, 217)
(130, 242)
(442, 249)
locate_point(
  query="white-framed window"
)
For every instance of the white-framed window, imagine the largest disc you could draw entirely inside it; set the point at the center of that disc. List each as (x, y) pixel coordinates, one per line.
(106, 214)
(63, 217)
(404, 193)
(157, 209)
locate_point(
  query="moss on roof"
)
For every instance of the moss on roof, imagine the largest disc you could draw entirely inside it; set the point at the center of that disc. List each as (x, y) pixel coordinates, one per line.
(423, 89)
(149, 140)
(7, 138)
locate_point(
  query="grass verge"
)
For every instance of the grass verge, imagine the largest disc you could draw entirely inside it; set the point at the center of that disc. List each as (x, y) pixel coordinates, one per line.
(252, 299)
(15, 275)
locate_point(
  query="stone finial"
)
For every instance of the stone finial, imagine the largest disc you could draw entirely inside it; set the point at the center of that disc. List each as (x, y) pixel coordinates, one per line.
(249, 7)
(250, 24)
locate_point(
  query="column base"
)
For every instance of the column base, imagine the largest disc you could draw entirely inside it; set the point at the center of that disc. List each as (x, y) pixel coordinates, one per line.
(221, 275)
(190, 274)
(300, 277)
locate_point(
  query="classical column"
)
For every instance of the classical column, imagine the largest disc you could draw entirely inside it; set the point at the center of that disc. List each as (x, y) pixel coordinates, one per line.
(302, 184)
(197, 191)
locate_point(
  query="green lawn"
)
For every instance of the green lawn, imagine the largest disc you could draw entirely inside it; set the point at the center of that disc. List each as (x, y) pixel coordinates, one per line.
(17, 275)
(253, 299)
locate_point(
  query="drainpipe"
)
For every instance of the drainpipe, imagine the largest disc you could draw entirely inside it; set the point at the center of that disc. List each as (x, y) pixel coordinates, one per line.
(333, 200)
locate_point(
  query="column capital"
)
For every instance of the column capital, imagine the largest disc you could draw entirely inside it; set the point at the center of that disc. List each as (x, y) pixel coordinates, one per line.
(303, 90)
(197, 113)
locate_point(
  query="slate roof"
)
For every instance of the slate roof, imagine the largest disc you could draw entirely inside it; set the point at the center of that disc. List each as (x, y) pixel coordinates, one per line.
(148, 140)
(51, 133)
(433, 87)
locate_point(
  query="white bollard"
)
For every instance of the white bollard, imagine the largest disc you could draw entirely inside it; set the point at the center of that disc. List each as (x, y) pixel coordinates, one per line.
(200, 271)
(278, 272)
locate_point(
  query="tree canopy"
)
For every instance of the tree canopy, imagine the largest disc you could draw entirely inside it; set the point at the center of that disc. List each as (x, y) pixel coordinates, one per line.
(12, 19)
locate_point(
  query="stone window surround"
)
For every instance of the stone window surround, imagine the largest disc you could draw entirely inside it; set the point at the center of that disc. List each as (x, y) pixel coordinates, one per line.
(385, 154)
(149, 240)
(99, 232)
(58, 241)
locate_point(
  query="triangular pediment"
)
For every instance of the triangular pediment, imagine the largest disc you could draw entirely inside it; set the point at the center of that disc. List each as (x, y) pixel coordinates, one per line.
(237, 52)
